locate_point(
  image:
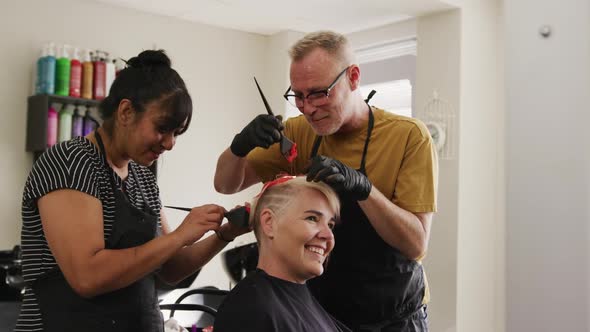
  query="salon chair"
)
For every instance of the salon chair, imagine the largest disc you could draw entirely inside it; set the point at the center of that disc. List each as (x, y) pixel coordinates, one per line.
(11, 285)
(202, 300)
(240, 261)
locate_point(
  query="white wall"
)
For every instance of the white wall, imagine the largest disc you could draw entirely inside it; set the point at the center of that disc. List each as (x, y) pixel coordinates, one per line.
(458, 55)
(277, 66)
(439, 43)
(481, 190)
(216, 64)
(391, 32)
(548, 166)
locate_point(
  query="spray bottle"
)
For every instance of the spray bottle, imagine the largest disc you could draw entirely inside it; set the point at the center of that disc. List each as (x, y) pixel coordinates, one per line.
(90, 123)
(119, 65)
(62, 72)
(87, 74)
(65, 123)
(51, 126)
(40, 82)
(99, 76)
(75, 74)
(57, 107)
(110, 73)
(45, 81)
(78, 121)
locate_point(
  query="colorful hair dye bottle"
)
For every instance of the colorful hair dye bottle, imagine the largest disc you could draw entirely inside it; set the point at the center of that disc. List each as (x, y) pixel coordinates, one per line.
(90, 123)
(51, 126)
(75, 75)
(62, 72)
(99, 83)
(110, 73)
(65, 123)
(87, 75)
(45, 78)
(78, 121)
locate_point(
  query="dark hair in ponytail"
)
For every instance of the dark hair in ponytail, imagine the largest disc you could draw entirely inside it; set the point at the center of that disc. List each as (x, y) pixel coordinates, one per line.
(149, 77)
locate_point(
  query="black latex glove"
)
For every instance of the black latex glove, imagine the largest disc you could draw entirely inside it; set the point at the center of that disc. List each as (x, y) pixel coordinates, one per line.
(263, 131)
(340, 177)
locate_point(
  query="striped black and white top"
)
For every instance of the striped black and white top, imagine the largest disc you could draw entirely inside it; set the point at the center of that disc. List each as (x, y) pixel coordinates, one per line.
(76, 164)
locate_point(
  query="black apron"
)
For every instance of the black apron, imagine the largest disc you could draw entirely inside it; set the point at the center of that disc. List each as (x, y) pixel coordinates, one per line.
(133, 308)
(367, 284)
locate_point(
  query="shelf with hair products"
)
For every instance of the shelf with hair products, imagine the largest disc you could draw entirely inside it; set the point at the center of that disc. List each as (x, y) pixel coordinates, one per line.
(53, 118)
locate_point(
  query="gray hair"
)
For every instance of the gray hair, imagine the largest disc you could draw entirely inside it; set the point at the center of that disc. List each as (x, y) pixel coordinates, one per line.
(333, 43)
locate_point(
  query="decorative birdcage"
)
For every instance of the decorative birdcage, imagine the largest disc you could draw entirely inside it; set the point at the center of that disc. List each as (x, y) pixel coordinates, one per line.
(439, 117)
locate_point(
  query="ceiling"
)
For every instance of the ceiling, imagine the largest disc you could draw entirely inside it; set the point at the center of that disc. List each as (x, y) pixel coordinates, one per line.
(268, 17)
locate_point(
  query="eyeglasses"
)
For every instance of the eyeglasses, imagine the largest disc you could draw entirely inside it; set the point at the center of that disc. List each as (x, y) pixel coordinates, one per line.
(315, 98)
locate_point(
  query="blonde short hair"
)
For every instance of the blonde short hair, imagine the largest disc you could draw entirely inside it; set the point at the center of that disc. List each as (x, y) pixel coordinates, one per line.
(278, 197)
(333, 43)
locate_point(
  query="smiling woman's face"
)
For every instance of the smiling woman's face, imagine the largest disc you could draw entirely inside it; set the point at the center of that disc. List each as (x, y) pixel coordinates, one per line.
(149, 134)
(302, 236)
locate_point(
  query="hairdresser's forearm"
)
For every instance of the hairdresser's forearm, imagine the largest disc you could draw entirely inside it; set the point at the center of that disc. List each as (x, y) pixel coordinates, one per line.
(233, 174)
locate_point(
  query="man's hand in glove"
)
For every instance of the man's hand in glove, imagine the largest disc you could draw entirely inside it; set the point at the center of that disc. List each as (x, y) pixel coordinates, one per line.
(263, 131)
(340, 177)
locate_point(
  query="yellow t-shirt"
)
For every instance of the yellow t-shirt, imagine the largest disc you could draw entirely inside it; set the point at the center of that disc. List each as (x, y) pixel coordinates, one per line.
(401, 160)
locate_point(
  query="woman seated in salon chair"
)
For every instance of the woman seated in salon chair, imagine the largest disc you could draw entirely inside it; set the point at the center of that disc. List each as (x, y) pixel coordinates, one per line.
(292, 220)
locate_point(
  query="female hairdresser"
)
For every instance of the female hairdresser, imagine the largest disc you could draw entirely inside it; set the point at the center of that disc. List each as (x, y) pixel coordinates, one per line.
(93, 232)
